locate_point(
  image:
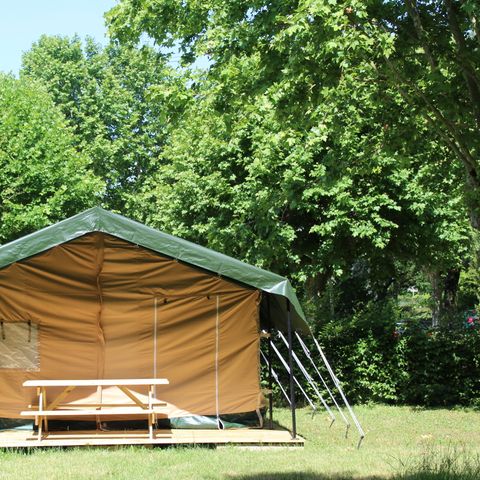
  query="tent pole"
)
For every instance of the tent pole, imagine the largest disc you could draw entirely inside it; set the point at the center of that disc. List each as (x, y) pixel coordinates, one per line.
(297, 383)
(309, 356)
(270, 373)
(155, 319)
(270, 386)
(340, 390)
(310, 380)
(290, 363)
(275, 376)
(217, 344)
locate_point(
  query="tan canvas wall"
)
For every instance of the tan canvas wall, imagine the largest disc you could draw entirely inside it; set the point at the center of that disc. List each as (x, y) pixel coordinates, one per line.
(93, 302)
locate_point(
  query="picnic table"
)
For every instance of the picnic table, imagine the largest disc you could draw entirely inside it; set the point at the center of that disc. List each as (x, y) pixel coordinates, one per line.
(55, 408)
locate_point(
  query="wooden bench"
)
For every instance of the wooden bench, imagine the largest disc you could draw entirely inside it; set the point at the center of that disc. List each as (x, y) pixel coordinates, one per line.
(55, 408)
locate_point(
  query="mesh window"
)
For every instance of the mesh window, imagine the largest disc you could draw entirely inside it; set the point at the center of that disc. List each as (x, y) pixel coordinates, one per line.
(19, 346)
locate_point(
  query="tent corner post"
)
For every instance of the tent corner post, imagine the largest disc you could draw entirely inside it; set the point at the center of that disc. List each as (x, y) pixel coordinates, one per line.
(270, 373)
(290, 364)
(270, 387)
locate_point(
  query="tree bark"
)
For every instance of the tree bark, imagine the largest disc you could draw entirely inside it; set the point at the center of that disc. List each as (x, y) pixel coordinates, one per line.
(450, 290)
(436, 298)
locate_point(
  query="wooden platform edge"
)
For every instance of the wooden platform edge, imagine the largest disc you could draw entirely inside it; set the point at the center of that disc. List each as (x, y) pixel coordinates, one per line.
(249, 438)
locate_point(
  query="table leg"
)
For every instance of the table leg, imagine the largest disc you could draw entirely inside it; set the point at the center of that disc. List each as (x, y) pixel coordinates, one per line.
(99, 401)
(38, 395)
(151, 416)
(45, 419)
(40, 418)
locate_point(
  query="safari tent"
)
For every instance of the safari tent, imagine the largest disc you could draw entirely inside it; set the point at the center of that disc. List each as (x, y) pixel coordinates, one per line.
(99, 296)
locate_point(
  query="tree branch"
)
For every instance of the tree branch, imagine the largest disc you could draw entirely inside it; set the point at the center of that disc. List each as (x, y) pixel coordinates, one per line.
(422, 37)
(468, 71)
(452, 140)
(466, 155)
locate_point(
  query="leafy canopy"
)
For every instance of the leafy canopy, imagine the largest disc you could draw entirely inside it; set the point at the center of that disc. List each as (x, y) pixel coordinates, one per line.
(43, 178)
(292, 152)
(115, 101)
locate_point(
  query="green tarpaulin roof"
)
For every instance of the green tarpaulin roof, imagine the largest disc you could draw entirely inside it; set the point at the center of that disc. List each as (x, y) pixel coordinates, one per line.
(97, 219)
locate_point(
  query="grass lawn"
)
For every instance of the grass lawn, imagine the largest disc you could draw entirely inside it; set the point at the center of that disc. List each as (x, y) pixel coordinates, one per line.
(402, 443)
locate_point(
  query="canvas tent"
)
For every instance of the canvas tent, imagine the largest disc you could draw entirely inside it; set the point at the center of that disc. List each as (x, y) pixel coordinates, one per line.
(101, 296)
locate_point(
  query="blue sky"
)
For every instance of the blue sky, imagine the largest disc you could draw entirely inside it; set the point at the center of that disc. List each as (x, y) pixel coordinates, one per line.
(23, 21)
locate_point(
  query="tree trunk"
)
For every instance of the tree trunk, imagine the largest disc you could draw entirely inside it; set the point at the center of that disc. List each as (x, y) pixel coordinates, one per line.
(450, 290)
(436, 298)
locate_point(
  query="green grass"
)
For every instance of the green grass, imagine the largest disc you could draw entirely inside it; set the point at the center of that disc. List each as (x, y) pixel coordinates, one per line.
(401, 444)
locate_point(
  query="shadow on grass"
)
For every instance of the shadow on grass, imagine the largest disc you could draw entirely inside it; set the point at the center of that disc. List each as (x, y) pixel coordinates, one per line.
(346, 476)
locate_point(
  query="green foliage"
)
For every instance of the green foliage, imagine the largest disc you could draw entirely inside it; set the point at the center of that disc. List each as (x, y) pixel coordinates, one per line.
(363, 351)
(434, 66)
(292, 151)
(416, 367)
(115, 99)
(43, 178)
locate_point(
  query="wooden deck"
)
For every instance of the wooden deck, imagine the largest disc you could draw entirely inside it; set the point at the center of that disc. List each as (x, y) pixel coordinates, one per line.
(240, 437)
